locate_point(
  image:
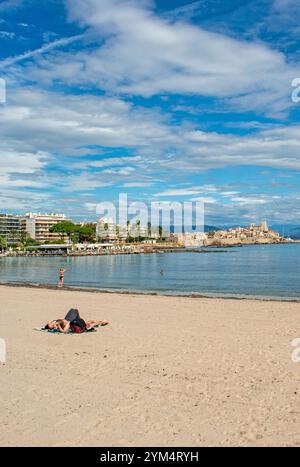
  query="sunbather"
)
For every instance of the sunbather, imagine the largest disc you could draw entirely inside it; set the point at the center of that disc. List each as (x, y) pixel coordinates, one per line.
(73, 323)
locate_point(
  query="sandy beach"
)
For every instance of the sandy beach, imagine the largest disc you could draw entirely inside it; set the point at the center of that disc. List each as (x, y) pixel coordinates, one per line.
(167, 371)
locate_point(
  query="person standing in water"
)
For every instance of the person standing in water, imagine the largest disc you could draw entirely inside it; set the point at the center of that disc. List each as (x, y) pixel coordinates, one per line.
(61, 277)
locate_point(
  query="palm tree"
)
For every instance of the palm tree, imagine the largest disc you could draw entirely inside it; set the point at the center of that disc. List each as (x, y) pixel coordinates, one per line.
(160, 231)
(128, 229)
(106, 229)
(118, 233)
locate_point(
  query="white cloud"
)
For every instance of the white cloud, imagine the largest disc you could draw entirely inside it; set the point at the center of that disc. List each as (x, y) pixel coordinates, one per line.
(145, 54)
(179, 192)
(205, 199)
(137, 184)
(246, 200)
(84, 181)
(43, 125)
(19, 174)
(279, 147)
(123, 171)
(114, 161)
(141, 53)
(21, 162)
(51, 121)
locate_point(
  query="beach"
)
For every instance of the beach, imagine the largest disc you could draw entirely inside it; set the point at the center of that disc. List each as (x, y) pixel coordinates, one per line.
(167, 371)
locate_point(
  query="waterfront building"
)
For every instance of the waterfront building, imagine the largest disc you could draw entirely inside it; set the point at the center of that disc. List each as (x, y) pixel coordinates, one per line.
(138, 230)
(38, 226)
(193, 239)
(10, 228)
(106, 230)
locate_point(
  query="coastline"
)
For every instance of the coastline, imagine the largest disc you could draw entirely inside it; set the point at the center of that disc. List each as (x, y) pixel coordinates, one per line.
(167, 371)
(139, 249)
(146, 293)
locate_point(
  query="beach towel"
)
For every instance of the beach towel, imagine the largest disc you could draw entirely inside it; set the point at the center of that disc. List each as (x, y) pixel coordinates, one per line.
(55, 331)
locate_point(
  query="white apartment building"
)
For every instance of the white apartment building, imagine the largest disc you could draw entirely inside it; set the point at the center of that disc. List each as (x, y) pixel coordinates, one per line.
(38, 226)
(137, 230)
(106, 230)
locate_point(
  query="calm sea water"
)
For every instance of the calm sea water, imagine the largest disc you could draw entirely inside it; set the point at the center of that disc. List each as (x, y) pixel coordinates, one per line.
(262, 270)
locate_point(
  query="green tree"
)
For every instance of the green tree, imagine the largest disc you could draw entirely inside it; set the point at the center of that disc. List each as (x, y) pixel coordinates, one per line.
(87, 233)
(64, 228)
(26, 240)
(3, 244)
(74, 237)
(75, 233)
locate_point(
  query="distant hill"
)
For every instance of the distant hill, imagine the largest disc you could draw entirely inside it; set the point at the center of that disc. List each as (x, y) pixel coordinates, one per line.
(295, 234)
(287, 230)
(208, 228)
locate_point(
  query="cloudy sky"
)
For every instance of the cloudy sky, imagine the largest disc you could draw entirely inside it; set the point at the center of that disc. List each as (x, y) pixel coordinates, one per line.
(163, 100)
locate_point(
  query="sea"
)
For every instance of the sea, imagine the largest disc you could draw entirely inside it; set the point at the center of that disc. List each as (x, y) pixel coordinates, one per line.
(258, 271)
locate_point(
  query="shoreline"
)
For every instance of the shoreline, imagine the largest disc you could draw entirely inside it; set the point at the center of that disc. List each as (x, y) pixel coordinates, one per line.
(192, 295)
(201, 249)
(83, 255)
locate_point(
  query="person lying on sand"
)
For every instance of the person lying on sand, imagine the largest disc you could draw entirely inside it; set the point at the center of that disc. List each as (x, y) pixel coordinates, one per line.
(73, 323)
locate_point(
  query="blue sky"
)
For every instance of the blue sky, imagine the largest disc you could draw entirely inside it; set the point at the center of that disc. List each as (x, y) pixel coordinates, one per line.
(163, 100)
